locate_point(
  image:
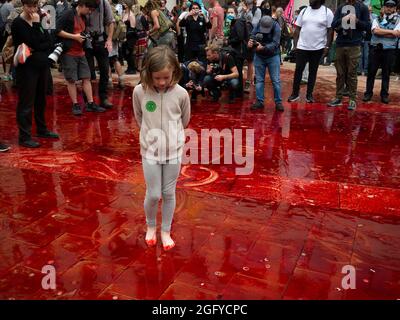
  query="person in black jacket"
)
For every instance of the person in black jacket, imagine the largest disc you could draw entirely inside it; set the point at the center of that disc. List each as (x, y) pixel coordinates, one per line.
(32, 76)
(238, 38)
(197, 26)
(70, 28)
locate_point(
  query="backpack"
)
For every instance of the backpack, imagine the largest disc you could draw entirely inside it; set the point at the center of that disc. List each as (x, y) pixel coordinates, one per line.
(139, 24)
(225, 52)
(119, 33)
(165, 24)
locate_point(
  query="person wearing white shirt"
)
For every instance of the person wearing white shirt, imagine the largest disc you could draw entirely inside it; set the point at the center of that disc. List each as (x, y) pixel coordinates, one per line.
(312, 39)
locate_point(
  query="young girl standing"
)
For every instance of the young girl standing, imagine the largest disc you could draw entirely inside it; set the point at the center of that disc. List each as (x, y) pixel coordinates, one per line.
(162, 111)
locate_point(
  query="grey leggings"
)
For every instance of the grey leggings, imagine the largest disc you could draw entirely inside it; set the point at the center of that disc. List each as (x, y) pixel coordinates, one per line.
(160, 180)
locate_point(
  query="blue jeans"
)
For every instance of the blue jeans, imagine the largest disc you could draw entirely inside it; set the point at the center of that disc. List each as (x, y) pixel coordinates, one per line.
(274, 69)
(215, 86)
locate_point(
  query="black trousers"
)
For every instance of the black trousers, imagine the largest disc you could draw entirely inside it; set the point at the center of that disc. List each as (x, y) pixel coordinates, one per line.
(195, 52)
(129, 50)
(239, 65)
(32, 86)
(181, 47)
(379, 58)
(302, 57)
(101, 55)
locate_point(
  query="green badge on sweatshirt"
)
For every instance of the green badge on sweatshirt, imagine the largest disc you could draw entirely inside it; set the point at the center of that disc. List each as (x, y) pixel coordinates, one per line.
(151, 106)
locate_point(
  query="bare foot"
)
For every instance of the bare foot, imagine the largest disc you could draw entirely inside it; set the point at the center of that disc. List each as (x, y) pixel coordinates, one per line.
(167, 241)
(151, 237)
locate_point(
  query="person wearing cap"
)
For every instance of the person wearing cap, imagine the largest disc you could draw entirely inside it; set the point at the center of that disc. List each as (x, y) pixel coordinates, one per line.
(265, 40)
(350, 26)
(312, 39)
(384, 41)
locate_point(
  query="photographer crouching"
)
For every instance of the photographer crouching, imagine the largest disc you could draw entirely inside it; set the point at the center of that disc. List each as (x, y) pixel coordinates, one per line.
(222, 73)
(265, 40)
(71, 29)
(32, 73)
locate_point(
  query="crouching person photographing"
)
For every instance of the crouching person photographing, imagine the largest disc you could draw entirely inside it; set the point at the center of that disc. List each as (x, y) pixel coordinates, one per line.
(222, 73)
(71, 29)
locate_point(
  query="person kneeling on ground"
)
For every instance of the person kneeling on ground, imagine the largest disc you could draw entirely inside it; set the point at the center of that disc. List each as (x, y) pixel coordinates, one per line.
(193, 76)
(221, 73)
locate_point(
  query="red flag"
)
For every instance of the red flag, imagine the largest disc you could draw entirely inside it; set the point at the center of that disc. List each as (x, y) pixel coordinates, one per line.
(288, 13)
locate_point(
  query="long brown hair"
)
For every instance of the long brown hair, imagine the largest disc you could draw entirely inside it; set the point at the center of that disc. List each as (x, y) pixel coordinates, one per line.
(156, 60)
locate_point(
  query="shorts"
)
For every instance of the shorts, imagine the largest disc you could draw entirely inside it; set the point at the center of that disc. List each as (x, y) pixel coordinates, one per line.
(75, 68)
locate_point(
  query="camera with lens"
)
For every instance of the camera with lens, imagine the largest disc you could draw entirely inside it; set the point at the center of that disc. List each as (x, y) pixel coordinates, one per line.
(87, 44)
(215, 69)
(94, 35)
(58, 50)
(257, 38)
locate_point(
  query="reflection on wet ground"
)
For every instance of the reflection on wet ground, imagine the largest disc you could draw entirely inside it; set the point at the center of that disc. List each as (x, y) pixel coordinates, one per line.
(324, 193)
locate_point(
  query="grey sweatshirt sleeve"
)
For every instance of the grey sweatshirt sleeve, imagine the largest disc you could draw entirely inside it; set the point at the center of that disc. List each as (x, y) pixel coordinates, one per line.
(256, 18)
(137, 109)
(185, 107)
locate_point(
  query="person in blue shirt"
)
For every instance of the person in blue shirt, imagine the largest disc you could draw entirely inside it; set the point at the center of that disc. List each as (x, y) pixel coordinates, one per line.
(265, 40)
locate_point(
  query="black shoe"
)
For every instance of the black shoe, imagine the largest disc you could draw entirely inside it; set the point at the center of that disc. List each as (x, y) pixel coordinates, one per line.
(257, 105)
(92, 107)
(48, 134)
(76, 109)
(385, 100)
(293, 97)
(4, 147)
(105, 104)
(29, 144)
(215, 96)
(367, 97)
(335, 103)
(279, 107)
(310, 98)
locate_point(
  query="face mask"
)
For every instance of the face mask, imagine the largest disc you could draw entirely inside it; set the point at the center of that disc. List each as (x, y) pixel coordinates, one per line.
(196, 11)
(230, 16)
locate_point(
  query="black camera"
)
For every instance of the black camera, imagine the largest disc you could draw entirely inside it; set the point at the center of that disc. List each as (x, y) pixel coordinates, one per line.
(215, 69)
(58, 50)
(257, 38)
(94, 35)
(87, 44)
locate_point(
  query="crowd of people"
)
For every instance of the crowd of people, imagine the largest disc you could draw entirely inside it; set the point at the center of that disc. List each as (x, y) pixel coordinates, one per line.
(218, 47)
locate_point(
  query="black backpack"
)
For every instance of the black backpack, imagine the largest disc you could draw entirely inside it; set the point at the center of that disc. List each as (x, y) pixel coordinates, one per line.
(224, 54)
